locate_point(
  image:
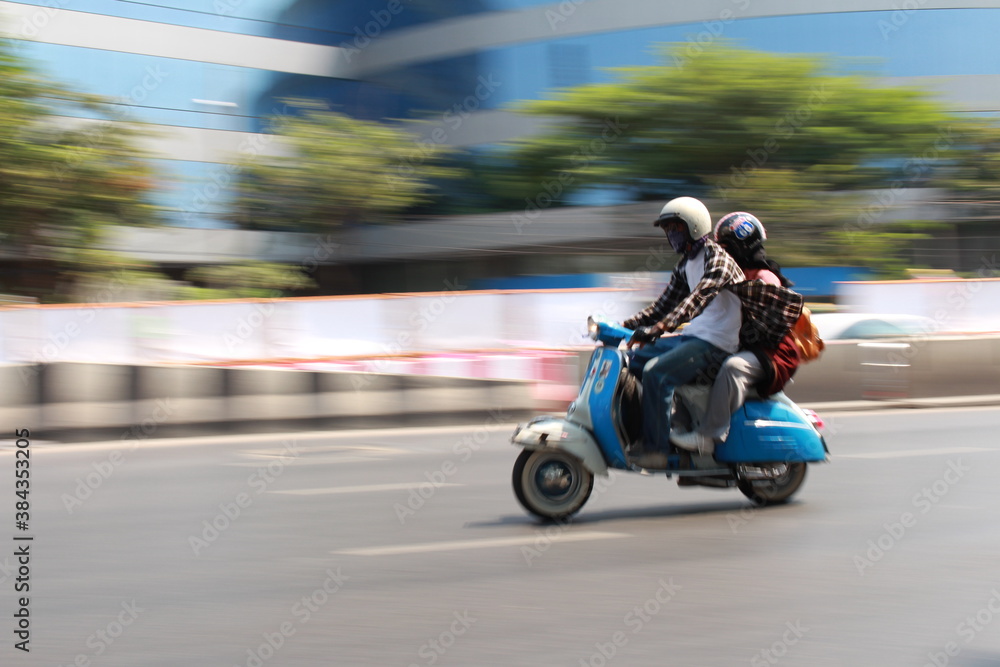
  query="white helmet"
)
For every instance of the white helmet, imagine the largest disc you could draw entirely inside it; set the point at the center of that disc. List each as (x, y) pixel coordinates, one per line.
(692, 212)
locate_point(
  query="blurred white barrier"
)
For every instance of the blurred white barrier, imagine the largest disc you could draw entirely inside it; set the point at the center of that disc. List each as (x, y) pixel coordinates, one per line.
(309, 328)
(131, 402)
(952, 306)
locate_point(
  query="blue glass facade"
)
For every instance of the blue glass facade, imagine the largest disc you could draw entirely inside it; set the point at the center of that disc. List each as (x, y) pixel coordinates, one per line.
(157, 90)
(931, 43)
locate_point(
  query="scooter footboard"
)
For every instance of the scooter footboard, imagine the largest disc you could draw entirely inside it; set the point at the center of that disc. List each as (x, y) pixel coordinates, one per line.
(770, 431)
(560, 434)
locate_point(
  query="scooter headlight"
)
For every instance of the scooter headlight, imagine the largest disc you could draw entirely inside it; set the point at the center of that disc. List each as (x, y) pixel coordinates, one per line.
(593, 328)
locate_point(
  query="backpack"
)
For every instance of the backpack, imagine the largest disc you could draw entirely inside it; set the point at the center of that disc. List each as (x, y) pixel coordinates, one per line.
(800, 345)
(806, 337)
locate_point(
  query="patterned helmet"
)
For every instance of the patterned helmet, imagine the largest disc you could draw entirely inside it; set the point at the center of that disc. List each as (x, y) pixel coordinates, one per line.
(741, 234)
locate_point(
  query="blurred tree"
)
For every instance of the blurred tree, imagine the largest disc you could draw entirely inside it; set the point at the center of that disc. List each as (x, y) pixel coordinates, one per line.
(67, 170)
(259, 280)
(971, 177)
(783, 136)
(101, 276)
(720, 117)
(809, 225)
(336, 170)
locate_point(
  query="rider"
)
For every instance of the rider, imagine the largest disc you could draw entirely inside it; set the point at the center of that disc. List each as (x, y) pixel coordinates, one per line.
(760, 365)
(696, 295)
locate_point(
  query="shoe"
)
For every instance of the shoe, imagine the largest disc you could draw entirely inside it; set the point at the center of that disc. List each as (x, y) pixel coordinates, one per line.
(693, 442)
(650, 460)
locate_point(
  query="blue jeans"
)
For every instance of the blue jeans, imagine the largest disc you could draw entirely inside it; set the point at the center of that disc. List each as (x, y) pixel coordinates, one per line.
(667, 363)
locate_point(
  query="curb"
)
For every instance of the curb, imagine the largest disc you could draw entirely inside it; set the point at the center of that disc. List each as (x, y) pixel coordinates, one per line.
(972, 401)
(253, 428)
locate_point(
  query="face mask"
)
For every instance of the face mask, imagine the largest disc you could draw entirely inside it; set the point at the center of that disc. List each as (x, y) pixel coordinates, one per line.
(678, 240)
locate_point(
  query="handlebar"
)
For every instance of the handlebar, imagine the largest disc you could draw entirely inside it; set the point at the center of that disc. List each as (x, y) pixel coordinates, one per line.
(609, 333)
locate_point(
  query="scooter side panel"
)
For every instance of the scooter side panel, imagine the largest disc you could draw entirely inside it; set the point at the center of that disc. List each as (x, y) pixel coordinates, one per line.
(769, 431)
(558, 433)
(603, 376)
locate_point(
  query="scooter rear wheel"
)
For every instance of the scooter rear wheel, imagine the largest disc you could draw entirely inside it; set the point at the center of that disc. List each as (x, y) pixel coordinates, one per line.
(550, 483)
(777, 490)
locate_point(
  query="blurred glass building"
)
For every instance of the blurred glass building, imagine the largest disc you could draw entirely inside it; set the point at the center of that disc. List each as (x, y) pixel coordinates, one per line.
(208, 73)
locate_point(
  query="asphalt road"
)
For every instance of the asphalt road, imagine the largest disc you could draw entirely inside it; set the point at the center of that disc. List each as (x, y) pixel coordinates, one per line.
(408, 548)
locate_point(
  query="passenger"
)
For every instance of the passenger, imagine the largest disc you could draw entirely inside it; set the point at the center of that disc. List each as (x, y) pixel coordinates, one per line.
(695, 295)
(761, 365)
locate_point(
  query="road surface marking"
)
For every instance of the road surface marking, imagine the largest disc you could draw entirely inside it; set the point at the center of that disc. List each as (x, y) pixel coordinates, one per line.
(307, 458)
(915, 452)
(329, 450)
(340, 460)
(522, 540)
(370, 488)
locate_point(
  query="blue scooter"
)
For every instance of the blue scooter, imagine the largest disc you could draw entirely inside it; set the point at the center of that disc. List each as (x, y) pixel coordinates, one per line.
(765, 455)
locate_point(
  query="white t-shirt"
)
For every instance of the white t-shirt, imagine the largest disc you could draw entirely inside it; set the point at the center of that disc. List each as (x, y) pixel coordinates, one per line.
(719, 324)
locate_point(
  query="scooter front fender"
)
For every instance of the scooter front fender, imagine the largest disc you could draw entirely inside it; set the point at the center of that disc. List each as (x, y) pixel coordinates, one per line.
(561, 434)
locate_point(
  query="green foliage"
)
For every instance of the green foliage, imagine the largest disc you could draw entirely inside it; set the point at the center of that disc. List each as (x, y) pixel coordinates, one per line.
(246, 280)
(795, 207)
(100, 276)
(727, 113)
(67, 169)
(809, 224)
(337, 170)
(61, 179)
(784, 136)
(482, 182)
(881, 250)
(971, 177)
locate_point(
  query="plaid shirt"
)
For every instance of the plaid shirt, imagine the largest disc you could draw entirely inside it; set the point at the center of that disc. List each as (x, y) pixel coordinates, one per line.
(769, 311)
(679, 304)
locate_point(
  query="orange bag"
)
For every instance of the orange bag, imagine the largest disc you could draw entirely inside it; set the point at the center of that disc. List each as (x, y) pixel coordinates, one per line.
(806, 337)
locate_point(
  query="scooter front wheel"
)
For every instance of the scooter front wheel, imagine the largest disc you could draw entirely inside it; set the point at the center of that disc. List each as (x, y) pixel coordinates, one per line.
(776, 490)
(551, 483)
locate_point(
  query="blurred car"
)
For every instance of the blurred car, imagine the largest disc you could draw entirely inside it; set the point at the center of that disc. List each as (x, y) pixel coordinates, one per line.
(851, 326)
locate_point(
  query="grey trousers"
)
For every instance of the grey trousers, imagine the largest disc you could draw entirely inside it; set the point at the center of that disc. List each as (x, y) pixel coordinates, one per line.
(739, 373)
